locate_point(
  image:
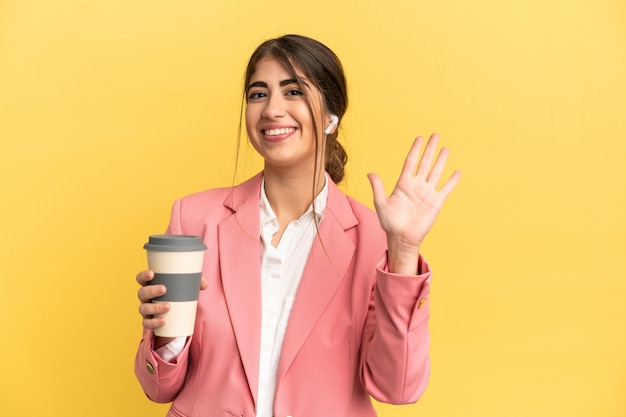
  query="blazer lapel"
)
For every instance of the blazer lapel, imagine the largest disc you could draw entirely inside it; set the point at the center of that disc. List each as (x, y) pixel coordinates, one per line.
(325, 269)
(240, 264)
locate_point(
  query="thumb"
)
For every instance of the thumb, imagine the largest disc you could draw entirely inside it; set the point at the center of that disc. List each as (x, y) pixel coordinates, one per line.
(378, 189)
(204, 284)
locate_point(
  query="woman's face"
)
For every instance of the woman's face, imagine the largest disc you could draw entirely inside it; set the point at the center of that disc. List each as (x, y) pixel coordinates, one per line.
(278, 120)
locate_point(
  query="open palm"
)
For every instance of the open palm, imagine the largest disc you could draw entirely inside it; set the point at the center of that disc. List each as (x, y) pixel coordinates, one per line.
(409, 212)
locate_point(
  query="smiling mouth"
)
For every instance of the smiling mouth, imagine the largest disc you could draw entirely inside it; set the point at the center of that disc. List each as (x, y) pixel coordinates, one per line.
(278, 132)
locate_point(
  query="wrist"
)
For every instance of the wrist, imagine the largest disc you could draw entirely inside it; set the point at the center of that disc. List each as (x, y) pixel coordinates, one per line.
(402, 258)
(161, 341)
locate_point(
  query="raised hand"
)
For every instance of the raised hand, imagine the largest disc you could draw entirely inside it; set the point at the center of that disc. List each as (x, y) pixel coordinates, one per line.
(410, 211)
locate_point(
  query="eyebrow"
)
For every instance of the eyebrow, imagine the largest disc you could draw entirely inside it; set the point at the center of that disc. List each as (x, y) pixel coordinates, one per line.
(283, 83)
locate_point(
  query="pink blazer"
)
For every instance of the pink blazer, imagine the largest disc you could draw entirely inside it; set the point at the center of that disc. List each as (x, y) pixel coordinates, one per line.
(355, 330)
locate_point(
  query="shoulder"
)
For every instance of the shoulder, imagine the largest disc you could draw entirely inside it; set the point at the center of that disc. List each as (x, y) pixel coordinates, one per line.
(198, 211)
(224, 198)
(202, 204)
(368, 223)
(361, 210)
(193, 213)
(365, 233)
(358, 220)
(349, 211)
(203, 198)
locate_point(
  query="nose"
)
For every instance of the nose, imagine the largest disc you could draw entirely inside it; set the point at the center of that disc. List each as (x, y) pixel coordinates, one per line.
(274, 107)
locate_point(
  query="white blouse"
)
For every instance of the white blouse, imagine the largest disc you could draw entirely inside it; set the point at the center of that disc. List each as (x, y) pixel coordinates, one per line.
(281, 271)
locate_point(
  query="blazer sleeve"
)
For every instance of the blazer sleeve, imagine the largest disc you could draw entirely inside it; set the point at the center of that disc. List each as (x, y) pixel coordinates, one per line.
(161, 380)
(395, 365)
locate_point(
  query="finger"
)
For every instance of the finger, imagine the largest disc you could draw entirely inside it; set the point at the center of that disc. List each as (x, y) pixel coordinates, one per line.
(447, 188)
(437, 171)
(412, 158)
(378, 189)
(144, 277)
(147, 293)
(427, 158)
(153, 323)
(148, 310)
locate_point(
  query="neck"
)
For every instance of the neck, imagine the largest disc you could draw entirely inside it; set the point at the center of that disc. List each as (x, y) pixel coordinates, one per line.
(291, 196)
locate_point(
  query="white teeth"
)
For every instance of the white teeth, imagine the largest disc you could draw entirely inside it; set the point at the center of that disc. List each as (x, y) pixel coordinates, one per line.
(281, 131)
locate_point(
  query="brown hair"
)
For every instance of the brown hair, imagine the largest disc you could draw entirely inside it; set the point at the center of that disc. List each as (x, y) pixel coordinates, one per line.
(321, 67)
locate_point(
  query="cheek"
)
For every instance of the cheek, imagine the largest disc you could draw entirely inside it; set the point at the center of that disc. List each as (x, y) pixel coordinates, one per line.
(249, 121)
(305, 119)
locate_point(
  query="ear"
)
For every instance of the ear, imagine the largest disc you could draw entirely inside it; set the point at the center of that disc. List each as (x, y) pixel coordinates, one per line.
(332, 126)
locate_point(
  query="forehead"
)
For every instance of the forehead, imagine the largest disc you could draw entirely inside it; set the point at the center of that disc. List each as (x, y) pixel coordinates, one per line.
(269, 67)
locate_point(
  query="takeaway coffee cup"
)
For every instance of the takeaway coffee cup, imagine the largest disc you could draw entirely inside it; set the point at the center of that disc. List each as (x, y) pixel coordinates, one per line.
(177, 263)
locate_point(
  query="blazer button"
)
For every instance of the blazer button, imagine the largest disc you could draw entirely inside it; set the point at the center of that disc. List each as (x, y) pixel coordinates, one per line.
(421, 303)
(150, 368)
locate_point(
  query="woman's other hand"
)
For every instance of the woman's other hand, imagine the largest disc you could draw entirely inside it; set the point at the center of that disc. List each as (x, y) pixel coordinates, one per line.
(410, 211)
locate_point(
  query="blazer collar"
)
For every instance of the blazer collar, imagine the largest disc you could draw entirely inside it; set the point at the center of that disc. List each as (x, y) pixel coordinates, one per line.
(249, 192)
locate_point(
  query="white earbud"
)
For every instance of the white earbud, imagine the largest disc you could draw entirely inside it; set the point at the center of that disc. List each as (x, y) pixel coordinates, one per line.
(333, 122)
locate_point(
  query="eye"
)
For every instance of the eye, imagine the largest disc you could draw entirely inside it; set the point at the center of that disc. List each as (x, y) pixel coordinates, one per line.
(256, 95)
(294, 92)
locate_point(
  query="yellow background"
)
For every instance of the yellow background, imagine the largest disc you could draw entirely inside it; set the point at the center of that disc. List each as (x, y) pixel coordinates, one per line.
(109, 110)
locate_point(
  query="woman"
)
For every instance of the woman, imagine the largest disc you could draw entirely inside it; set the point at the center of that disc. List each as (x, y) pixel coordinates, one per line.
(311, 301)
